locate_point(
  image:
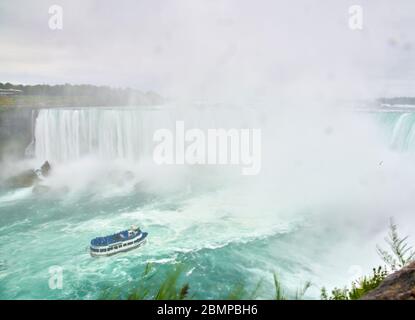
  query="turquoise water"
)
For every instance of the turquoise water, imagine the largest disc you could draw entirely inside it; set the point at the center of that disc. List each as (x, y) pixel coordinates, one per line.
(214, 228)
(40, 232)
(399, 127)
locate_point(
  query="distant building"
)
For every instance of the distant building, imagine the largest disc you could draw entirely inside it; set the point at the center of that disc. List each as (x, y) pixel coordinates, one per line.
(10, 92)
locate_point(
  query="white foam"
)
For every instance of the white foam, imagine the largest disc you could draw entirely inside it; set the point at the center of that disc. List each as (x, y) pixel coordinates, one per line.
(15, 195)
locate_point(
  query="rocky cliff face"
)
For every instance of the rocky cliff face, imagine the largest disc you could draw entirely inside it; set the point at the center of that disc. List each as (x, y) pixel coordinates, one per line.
(398, 286)
(16, 127)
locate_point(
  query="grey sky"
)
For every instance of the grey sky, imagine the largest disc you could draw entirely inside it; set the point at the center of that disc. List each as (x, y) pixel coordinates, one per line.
(221, 47)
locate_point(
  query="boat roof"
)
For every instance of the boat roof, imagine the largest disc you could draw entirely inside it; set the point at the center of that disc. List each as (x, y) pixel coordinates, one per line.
(108, 240)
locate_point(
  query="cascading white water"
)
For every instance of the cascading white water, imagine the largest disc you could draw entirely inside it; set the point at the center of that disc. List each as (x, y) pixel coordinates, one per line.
(63, 135)
(403, 132)
(324, 177)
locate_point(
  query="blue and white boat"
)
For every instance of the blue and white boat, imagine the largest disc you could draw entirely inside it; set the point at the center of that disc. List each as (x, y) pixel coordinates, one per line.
(120, 242)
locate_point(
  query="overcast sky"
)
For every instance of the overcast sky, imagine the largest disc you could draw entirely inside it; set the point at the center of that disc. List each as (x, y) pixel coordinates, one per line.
(222, 47)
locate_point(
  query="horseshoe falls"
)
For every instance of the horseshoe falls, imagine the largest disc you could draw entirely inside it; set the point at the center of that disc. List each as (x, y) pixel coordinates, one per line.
(329, 183)
(65, 135)
(62, 135)
(401, 130)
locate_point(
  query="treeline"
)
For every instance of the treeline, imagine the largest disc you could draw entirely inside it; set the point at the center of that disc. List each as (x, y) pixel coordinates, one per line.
(76, 95)
(397, 100)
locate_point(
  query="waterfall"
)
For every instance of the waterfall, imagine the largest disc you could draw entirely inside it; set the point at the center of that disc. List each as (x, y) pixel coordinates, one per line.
(403, 132)
(30, 149)
(63, 135)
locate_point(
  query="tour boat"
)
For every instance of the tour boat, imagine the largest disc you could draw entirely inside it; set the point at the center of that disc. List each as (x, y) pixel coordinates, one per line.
(122, 241)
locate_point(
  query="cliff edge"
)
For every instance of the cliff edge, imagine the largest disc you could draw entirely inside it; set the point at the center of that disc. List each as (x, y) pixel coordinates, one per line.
(397, 286)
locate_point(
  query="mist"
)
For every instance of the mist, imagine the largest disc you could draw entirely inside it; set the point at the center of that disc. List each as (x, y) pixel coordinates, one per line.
(215, 50)
(331, 173)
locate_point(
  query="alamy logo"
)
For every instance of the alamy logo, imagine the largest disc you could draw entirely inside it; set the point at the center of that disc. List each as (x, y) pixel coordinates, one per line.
(56, 18)
(213, 147)
(356, 17)
(55, 278)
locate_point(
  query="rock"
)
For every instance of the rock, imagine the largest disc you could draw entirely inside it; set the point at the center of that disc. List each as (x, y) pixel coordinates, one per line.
(29, 178)
(45, 169)
(23, 180)
(398, 286)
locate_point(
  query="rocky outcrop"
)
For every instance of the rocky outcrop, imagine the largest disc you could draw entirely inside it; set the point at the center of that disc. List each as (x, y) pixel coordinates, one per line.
(45, 169)
(29, 178)
(16, 131)
(23, 180)
(398, 286)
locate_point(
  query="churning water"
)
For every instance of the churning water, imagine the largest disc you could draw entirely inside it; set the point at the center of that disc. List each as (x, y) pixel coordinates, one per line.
(321, 203)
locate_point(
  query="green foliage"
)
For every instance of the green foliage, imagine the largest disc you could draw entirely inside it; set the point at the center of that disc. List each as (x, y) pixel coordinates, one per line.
(400, 253)
(237, 293)
(74, 95)
(323, 294)
(336, 294)
(299, 295)
(254, 293)
(366, 284)
(359, 287)
(279, 293)
(6, 101)
(169, 289)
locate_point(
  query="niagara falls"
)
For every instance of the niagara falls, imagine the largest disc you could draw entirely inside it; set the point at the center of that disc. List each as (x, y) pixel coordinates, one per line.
(207, 150)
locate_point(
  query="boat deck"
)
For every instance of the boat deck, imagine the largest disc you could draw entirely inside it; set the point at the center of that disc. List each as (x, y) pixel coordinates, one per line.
(114, 238)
